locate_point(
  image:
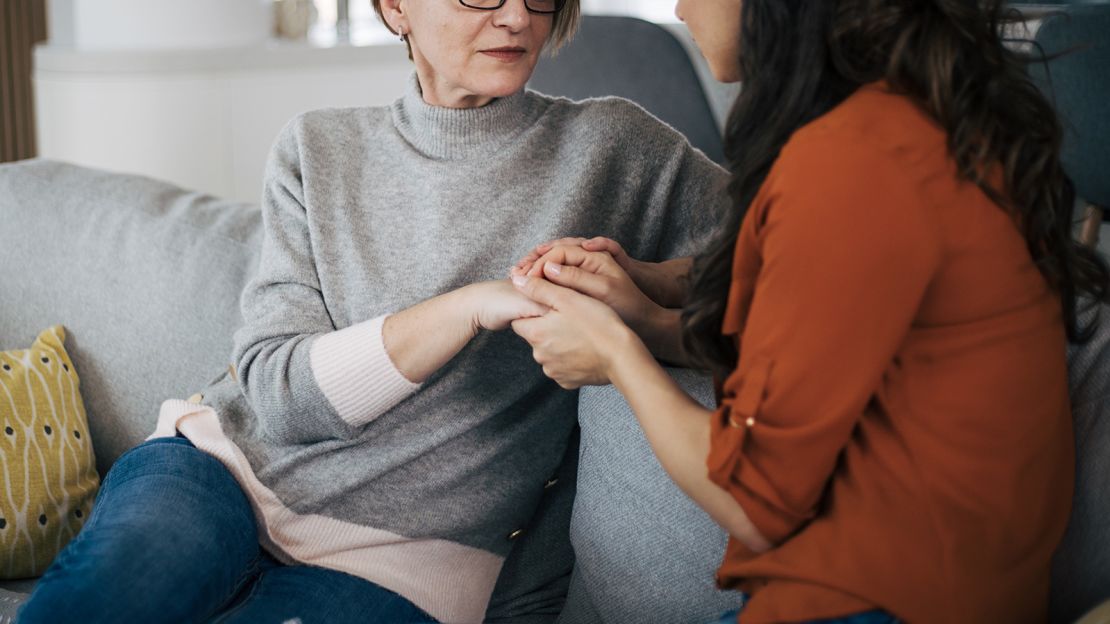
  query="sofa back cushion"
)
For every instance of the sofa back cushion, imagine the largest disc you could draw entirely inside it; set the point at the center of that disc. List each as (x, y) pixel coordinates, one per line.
(144, 276)
(659, 76)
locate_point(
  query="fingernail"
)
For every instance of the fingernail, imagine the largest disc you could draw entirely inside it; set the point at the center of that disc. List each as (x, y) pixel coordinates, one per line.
(553, 268)
(520, 280)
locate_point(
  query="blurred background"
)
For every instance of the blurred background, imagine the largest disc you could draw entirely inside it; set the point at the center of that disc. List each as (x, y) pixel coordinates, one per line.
(194, 92)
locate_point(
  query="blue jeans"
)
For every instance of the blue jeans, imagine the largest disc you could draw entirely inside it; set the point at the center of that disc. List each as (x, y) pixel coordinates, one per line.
(172, 538)
(868, 617)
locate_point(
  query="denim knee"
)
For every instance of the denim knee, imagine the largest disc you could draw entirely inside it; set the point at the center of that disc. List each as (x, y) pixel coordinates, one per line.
(172, 535)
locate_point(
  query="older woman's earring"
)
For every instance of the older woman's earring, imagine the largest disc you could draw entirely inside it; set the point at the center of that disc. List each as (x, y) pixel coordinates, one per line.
(401, 32)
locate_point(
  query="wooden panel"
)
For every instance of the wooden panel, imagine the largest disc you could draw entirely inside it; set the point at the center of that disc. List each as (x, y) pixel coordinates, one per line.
(22, 24)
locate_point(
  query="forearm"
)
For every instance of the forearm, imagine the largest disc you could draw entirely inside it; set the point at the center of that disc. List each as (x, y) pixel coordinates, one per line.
(665, 282)
(662, 333)
(677, 428)
(421, 339)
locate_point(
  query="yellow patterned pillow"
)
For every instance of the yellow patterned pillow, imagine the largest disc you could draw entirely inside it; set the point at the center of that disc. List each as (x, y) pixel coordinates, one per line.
(48, 476)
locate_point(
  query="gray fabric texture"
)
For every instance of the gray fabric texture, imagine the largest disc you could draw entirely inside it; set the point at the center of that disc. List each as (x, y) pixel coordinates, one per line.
(644, 552)
(145, 277)
(532, 588)
(9, 605)
(369, 211)
(1081, 566)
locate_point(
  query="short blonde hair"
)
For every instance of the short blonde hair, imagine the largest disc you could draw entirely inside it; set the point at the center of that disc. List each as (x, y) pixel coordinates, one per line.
(562, 31)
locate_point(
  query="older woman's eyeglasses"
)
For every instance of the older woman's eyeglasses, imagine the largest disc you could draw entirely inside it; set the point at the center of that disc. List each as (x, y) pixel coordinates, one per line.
(544, 7)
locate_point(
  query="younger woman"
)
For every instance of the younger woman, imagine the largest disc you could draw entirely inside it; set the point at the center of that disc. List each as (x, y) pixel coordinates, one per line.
(886, 308)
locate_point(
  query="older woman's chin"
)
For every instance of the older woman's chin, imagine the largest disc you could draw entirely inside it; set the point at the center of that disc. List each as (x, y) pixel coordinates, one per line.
(502, 82)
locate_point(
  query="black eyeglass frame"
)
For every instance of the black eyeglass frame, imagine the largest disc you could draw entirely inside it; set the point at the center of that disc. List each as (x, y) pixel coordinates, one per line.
(559, 4)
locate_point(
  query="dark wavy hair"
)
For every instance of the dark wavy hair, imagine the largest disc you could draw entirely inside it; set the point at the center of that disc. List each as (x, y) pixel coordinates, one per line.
(801, 58)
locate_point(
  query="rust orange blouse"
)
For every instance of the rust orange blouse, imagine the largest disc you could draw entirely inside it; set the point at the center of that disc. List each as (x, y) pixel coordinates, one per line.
(898, 424)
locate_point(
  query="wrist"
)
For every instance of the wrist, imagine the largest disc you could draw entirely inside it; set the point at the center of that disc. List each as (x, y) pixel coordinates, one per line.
(622, 347)
(467, 300)
(664, 335)
(646, 280)
(662, 282)
(674, 277)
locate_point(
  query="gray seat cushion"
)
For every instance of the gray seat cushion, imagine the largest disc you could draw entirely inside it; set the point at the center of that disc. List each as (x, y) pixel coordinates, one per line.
(145, 277)
(644, 551)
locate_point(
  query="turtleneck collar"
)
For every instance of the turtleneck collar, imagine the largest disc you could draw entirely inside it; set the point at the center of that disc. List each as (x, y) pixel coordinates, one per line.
(450, 133)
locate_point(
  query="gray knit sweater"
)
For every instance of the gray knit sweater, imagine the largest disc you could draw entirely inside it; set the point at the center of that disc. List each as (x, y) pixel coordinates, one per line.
(368, 211)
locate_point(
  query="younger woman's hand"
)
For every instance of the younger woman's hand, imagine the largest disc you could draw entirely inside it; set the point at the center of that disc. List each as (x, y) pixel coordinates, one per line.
(598, 275)
(665, 283)
(496, 304)
(597, 243)
(577, 340)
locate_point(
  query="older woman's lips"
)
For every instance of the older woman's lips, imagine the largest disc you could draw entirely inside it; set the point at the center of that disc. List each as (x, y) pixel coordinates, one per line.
(505, 54)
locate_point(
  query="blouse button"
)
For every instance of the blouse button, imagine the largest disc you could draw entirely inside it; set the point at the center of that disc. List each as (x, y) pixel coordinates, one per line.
(750, 422)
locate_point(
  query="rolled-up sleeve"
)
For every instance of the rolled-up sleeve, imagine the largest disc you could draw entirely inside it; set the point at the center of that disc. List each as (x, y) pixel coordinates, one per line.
(846, 247)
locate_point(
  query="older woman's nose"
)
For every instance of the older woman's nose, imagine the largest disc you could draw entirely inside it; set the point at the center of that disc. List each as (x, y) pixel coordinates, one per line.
(513, 15)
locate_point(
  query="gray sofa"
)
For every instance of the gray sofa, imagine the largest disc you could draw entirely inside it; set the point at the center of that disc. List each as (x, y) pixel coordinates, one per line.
(146, 278)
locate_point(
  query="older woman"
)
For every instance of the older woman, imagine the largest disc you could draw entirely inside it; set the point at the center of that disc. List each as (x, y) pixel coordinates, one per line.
(379, 444)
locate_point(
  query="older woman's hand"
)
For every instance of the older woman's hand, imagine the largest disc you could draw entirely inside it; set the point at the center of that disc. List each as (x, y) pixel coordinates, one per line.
(599, 275)
(577, 340)
(663, 282)
(495, 304)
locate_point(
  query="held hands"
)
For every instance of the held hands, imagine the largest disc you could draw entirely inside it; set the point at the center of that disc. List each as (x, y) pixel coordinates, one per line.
(589, 294)
(578, 339)
(599, 275)
(599, 243)
(662, 282)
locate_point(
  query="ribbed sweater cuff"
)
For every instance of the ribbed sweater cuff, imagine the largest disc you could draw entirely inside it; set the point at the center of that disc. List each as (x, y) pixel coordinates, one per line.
(355, 373)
